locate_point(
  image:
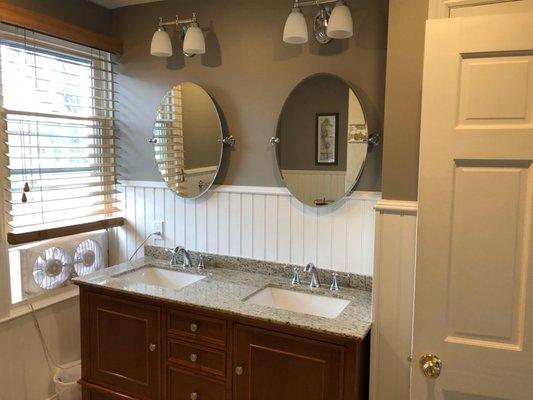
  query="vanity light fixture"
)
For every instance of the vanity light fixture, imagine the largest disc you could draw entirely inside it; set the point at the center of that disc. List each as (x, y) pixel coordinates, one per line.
(336, 23)
(295, 31)
(340, 24)
(190, 34)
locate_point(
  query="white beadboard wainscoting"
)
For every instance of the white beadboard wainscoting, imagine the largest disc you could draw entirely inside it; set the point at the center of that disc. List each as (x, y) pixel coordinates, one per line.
(265, 223)
(392, 300)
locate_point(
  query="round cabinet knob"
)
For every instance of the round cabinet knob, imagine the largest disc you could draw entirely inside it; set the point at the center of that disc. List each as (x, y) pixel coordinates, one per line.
(239, 370)
(194, 396)
(193, 327)
(431, 365)
(193, 357)
(152, 347)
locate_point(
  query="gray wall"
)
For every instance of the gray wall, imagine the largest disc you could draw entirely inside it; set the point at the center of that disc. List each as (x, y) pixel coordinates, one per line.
(405, 57)
(249, 71)
(78, 12)
(252, 98)
(201, 128)
(324, 94)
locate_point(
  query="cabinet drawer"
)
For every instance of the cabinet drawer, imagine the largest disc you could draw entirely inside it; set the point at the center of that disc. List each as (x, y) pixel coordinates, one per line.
(186, 386)
(197, 327)
(198, 358)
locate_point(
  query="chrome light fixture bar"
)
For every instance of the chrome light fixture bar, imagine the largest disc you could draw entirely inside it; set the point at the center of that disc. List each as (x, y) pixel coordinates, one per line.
(330, 23)
(190, 34)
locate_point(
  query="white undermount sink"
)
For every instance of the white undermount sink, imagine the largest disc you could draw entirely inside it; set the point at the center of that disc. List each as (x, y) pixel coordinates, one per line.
(306, 303)
(161, 277)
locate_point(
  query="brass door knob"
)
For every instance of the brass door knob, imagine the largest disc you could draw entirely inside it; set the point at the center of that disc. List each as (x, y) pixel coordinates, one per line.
(431, 365)
(193, 357)
(239, 370)
(194, 396)
(193, 327)
(152, 347)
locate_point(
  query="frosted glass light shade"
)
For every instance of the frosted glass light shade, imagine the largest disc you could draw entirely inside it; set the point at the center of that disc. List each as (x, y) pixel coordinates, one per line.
(295, 31)
(161, 46)
(194, 42)
(340, 25)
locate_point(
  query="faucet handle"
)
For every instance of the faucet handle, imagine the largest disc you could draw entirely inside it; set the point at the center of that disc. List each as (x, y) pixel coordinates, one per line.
(201, 264)
(334, 283)
(173, 257)
(295, 276)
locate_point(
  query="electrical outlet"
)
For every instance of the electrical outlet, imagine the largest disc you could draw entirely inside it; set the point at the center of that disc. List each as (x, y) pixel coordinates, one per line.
(158, 227)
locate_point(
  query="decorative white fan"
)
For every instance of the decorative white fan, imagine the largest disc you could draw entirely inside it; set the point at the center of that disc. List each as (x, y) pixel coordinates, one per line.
(52, 268)
(88, 257)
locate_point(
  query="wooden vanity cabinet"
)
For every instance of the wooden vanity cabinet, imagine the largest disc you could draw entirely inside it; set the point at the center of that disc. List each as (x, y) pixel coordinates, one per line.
(139, 349)
(122, 345)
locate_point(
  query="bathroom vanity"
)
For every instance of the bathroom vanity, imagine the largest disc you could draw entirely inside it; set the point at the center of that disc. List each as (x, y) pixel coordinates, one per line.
(205, 341)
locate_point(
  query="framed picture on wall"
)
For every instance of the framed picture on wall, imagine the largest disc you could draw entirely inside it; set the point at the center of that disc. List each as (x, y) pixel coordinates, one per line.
(327, 141)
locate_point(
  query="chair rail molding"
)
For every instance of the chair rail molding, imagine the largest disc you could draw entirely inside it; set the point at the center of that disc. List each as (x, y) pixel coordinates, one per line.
(265, 223)
(397, 207)
(392, 299)
(444, 8)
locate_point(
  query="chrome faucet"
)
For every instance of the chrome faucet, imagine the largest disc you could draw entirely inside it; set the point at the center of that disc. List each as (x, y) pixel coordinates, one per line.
(174, 262)
(315, 280)
(295, 277)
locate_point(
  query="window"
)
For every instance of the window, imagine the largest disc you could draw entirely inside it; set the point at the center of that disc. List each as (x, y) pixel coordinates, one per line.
(58, 111)
(57, 107)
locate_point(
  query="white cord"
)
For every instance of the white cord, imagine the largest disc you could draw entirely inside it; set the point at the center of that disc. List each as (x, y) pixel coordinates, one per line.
(47, 353)
(143, 242)
(46, 350)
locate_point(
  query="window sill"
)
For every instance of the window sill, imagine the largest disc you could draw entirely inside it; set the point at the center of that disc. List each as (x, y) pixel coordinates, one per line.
(20, 309)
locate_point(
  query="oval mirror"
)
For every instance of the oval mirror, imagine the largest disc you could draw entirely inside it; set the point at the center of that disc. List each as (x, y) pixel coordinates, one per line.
(322, 140)
(188, 140)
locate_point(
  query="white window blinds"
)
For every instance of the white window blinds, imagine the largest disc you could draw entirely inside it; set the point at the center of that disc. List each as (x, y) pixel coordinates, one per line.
(59, 128)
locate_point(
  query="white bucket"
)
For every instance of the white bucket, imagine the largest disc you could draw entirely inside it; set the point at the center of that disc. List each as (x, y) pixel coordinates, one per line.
(65, 381)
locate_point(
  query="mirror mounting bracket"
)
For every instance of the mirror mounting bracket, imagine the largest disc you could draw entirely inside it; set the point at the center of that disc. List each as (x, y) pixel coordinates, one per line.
(374, 139)
(229, 141)
(274, 140)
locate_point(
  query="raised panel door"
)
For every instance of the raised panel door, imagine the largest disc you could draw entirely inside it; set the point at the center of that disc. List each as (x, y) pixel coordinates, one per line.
(124, 346)
(272, 366)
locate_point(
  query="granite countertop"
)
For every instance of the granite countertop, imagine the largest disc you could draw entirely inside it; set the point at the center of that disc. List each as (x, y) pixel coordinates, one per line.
(224, 290)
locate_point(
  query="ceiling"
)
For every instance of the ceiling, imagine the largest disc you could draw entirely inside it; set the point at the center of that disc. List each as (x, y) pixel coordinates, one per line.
(120, 3)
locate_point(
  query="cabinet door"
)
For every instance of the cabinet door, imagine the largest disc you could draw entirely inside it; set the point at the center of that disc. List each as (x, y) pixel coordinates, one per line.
(124, 342)
(274, 366)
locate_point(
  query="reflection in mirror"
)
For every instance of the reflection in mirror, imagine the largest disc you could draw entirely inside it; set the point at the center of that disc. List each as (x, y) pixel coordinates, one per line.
(187, 136)
(323, 140)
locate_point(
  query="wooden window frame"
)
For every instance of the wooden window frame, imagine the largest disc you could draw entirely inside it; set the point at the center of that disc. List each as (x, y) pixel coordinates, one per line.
(27, 19)
(45, 234)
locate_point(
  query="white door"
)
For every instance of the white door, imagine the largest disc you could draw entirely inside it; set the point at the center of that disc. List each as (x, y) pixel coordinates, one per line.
(474, 277)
